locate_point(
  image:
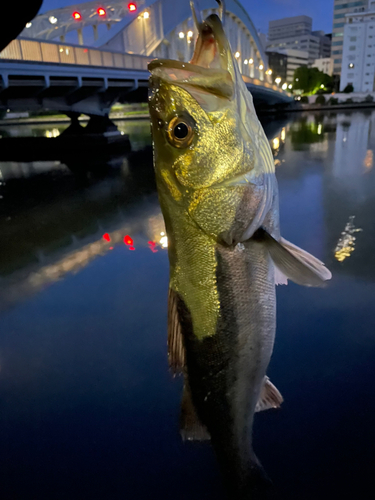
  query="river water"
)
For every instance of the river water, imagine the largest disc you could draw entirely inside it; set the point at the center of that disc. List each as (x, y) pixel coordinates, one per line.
(88, 408)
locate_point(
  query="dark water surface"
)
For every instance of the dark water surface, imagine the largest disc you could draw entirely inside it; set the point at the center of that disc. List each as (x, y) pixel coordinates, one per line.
(88, 409)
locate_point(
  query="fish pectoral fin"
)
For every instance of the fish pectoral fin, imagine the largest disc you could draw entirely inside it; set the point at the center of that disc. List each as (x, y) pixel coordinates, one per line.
(191, 428)
(176, 349)
(293, 262)
(269, 397)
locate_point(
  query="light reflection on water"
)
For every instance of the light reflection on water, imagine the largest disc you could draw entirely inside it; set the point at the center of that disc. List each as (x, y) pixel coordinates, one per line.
(84, 383)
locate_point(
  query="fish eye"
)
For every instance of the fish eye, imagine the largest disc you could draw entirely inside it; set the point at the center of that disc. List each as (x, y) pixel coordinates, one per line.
(180, 131)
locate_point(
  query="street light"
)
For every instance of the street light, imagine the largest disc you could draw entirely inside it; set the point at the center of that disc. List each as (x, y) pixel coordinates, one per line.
(146, 15)
(290, 86)
(190, 34)
(246, 61)
(278, 80)
(237, 55)
(181, 34)
(28, 25)
(52, 19)
(261, 67)
(251, 61)
(284, 86)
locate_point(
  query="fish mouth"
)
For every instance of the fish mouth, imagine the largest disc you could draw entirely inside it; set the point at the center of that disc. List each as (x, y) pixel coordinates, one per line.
(210, 65)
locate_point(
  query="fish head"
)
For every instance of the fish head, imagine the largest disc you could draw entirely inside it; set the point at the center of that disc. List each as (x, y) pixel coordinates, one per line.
(195, 118)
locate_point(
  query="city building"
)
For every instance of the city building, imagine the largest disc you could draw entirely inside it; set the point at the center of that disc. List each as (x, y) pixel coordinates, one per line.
(263, 40)
(277, 63)
(324, 64)
(340, 9)
(358, 56)
(294, 59)
(296, 33)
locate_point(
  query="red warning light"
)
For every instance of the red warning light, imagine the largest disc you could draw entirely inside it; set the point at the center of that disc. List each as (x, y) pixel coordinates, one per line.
(131, 248)
(152, 246)
(132, 7)
(106, 237)
(77, 16)
(128, 241)
(101, 11)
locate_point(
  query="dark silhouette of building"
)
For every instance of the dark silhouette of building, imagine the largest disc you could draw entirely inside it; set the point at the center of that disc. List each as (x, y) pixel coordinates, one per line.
(278, 64)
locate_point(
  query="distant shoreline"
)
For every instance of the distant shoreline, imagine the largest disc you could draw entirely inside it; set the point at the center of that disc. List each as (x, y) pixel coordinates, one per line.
(58, 119)
(318, 107)
(144, 116)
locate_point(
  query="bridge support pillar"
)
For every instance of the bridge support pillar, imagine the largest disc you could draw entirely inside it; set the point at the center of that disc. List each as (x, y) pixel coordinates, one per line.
(80, 36)
(95, 30)
(101, 125)
(75, 128)
(97, 125)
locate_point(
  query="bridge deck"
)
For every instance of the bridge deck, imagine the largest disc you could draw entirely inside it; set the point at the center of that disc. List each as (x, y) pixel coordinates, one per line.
(61, 76)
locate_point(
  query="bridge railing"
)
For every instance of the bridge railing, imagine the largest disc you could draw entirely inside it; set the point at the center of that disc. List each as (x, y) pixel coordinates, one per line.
(256, 81)
(22, 49)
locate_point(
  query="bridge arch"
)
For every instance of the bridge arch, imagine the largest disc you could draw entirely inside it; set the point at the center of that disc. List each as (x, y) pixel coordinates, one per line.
(157, 28)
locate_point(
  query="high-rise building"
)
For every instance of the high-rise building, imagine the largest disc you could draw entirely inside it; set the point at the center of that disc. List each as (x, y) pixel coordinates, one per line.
(340, 9)
(296, 33)
(325, 64)
(278, 63)
(294, 59)
(358, 57)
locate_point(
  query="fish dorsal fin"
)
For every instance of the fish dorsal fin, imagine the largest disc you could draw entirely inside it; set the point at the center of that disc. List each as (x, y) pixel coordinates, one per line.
(176, 349)
(269, 396)
(191, 428)
(293, 262)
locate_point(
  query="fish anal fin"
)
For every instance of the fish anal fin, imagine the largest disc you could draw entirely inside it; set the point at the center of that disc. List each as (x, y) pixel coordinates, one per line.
(176, 349)
(293, 262)
(280, 278)
(191, 428)
(269, 397)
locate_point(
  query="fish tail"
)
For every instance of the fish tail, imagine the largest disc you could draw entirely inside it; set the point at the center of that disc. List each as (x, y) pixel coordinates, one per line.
(251, 482)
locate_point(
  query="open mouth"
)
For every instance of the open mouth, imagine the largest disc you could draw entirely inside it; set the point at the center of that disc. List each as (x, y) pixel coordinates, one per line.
(208, 64)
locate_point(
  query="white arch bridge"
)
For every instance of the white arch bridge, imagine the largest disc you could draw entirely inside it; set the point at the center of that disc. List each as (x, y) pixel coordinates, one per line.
(84, 57)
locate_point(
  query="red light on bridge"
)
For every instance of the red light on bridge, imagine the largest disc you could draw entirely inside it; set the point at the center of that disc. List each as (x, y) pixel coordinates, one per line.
(101, 11)
(128, 240)
(77, 16)
(106, 237)
(132, 7)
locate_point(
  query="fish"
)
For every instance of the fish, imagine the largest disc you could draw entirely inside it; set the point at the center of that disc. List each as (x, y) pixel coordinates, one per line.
(218, 193)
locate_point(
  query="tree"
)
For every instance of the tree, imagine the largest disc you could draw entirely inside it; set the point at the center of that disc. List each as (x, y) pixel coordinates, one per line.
(311, 80)
(348, 89)
(320, 99)
(333, 101)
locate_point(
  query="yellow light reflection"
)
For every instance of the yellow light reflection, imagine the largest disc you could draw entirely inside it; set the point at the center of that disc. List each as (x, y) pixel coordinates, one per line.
(276, 143)
(319, 129)
(346, 243)
(282, 135)
(368, 162)
(52, 133)
(164, 241)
